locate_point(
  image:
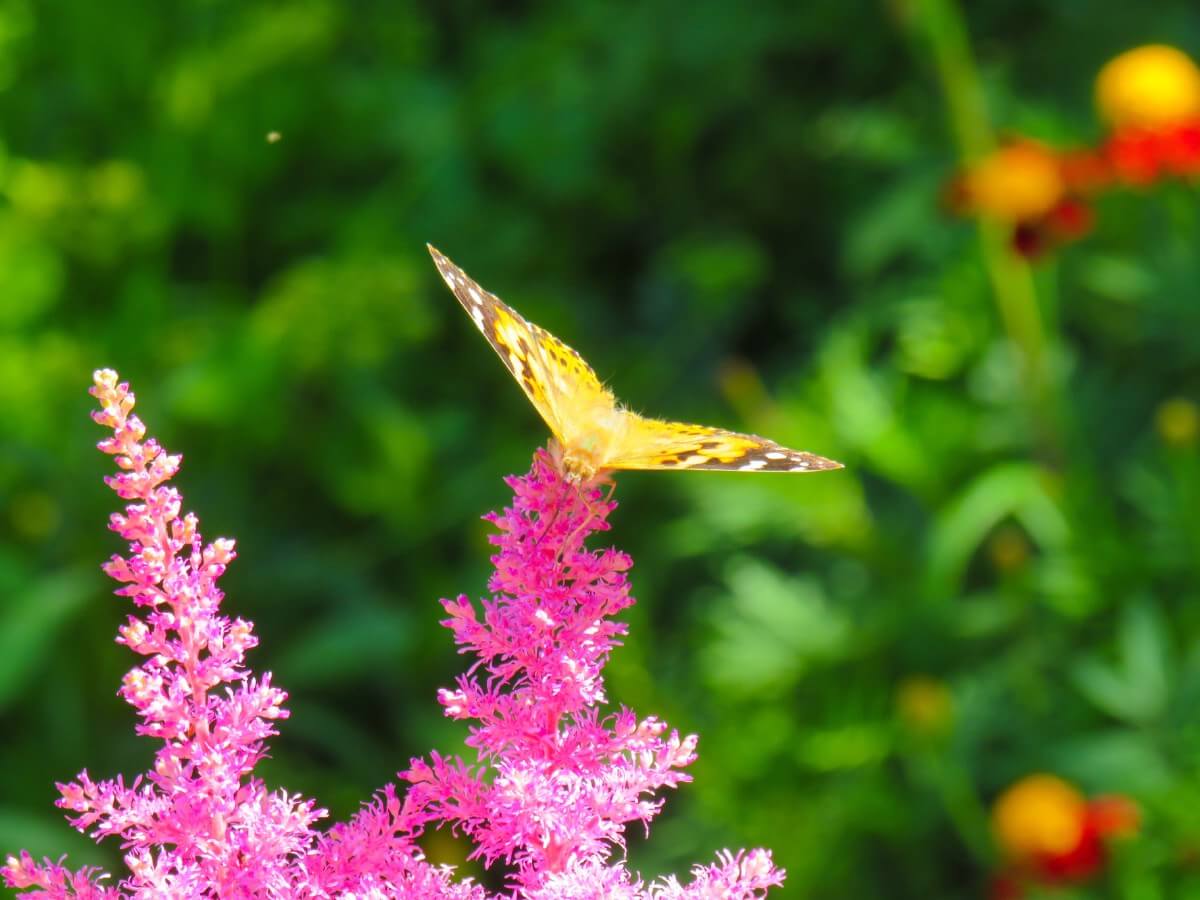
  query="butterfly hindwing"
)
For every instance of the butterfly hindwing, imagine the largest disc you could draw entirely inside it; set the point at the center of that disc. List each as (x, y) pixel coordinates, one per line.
(653, 444)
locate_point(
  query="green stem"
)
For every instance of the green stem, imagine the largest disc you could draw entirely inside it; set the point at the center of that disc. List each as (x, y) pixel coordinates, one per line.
(938, 771)
(940, 24)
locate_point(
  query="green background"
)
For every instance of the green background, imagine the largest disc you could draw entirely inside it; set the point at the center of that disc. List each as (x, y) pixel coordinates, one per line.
(733, 211)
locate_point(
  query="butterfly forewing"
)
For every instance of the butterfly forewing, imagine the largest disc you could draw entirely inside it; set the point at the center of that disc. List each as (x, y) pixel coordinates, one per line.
(555, 378)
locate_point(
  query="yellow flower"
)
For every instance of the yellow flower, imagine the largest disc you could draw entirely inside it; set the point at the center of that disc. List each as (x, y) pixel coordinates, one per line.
(1039, 816)
(1178, 422)
(1018, 183)
(925, 704)
(1008, 549)
(1148, 87)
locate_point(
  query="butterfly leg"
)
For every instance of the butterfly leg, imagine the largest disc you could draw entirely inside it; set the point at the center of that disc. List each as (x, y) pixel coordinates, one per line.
(571, 476)
(591, 510)
(553, 518)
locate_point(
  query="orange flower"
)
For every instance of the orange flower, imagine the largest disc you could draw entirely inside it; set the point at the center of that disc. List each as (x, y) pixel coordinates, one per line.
(1148, 87)
(1049, 833)
(1016, 183)
(1039, 816)
(1034, 190)
(1150, 97)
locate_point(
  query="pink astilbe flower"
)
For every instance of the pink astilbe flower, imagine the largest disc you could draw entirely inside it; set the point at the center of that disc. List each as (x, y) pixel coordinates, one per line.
(199, 824)
(554, 784)
(557, 783)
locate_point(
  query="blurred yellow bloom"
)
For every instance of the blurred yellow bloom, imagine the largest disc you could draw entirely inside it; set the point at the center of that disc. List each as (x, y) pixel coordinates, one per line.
(1008, 549)
(1148, 87)
(1178, 422)
(34, 515)
(925, 704)
(1039, 816)
(1017, 183)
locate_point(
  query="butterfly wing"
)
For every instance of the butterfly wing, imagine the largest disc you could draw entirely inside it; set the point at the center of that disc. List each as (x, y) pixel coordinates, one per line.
(562, 387)
(653, 444)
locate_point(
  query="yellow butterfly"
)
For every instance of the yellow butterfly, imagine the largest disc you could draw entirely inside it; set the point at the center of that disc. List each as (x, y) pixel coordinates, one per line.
(594, 433)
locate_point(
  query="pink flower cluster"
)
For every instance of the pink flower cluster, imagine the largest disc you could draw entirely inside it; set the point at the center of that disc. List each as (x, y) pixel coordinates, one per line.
(553, 785)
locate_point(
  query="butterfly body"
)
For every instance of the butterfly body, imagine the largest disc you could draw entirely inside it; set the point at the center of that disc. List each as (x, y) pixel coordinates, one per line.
(594, 433)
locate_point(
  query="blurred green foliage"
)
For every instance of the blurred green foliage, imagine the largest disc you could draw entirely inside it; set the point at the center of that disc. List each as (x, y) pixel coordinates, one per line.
(733, 212)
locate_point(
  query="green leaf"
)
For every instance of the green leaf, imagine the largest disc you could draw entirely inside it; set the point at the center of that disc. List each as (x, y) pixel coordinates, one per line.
(1017, 490)
(48, 835)
(770, 628)
(346, 645)
(1135, 689)
(1113, 761)
(33, 617)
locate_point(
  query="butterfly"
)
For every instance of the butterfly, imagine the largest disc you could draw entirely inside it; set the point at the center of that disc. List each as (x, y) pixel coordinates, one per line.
(594, 433)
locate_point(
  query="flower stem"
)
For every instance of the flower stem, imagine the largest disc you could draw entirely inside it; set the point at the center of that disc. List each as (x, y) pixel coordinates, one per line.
(939, 24)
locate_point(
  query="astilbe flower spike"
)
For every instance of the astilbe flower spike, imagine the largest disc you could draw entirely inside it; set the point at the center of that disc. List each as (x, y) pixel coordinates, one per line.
(553, 786)
(560, 782)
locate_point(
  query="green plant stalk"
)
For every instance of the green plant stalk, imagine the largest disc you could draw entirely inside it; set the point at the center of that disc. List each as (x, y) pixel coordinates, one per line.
(940, 24)
(946, 775)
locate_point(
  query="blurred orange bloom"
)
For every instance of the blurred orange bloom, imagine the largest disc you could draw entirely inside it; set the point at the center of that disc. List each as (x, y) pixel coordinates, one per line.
(1016, 183)
(1039, 816)
(1150, 98)
(1049, 833)
(1148, 87)
(1034, 190)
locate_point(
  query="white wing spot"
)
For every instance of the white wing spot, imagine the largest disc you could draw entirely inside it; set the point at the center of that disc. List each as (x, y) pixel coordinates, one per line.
(474, 294)
(775, 454)
(799, 467)
(753, 466)
(477, 315)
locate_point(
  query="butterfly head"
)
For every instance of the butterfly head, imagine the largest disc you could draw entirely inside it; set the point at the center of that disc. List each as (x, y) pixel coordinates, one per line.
(578, 464)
